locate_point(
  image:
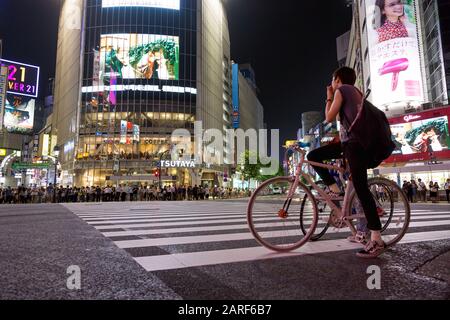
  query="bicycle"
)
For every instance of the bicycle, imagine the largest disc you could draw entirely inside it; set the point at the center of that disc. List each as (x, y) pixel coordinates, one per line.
(285, 222)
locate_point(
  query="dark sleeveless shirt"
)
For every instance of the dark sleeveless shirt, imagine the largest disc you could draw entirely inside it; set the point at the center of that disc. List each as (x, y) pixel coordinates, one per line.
(352, 100)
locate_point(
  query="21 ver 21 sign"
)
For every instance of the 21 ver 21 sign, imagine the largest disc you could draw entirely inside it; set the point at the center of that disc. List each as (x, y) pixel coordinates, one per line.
(23, 79)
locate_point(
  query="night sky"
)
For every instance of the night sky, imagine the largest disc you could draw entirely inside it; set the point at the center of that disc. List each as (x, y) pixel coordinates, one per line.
(290, 43)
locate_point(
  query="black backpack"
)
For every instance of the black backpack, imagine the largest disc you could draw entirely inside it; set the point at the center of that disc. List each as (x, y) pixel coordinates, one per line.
(372, 130)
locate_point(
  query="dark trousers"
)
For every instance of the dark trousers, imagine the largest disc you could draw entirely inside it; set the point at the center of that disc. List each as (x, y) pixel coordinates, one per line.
(448, 195)
(358, 163)
(328, 152)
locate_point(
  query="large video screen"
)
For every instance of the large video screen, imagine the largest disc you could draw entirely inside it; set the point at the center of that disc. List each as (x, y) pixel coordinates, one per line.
(138, 56)
(394, 52)
(421, 136)
(165, 4)
(23, 79)
(19, 114)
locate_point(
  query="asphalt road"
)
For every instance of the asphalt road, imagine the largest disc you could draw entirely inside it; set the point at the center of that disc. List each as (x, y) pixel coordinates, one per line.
(203, 251)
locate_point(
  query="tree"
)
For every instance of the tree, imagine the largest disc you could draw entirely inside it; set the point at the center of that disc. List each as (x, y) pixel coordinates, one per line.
(280, 173)
(248, 169)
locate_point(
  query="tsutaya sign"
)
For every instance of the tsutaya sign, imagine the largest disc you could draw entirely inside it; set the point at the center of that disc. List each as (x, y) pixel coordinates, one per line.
(177, 164)
(165, 4)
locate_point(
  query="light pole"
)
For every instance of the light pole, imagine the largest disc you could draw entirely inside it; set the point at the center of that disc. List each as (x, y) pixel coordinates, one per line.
(56, 154)
(160, 168)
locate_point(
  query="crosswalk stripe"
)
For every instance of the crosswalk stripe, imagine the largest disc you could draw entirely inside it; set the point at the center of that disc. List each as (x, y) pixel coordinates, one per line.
(144, 232)
(226, 224)
(101, 221)
(196, 214)
(167, 224)
(206, 258)
(240, 236)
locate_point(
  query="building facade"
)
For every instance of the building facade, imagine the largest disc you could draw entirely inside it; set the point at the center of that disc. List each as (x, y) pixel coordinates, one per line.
(130, 73)
(408, 75)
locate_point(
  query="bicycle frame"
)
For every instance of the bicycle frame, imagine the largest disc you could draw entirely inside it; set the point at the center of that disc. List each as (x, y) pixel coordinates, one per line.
(342, 213)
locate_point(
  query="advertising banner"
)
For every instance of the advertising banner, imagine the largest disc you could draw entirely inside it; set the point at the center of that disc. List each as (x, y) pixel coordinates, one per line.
(165, 4)
(3, 85)
(138, 56)
(136, 133)
(235, 96)
(96, 72)
(420, 136)
(19, 113)
(23, 79)
(123, 132)
(395, 70)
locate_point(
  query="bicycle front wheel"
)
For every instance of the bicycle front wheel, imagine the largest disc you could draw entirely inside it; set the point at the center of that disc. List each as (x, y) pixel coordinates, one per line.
(274, 218)
(323, 211)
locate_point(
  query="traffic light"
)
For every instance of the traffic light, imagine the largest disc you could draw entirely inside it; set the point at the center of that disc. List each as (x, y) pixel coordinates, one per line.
(157, 173)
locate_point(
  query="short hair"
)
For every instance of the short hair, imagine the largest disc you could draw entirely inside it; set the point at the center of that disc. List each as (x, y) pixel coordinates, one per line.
(346, 75)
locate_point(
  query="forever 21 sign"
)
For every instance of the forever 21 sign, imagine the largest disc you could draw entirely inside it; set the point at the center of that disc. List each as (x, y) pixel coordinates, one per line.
(23, 79)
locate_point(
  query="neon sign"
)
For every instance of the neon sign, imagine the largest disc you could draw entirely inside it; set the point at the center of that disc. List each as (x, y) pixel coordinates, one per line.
(23, 79)
(165, 4)
(409, 118)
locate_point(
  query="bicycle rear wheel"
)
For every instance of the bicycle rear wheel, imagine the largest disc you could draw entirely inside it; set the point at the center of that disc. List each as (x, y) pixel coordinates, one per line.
(395, 213)
(274, 220)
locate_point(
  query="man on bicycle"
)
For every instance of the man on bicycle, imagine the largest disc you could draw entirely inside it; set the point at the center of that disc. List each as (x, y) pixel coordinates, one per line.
(343, 99)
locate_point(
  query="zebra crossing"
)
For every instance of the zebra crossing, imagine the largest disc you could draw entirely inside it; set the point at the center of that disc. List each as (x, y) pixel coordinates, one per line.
(176, 235)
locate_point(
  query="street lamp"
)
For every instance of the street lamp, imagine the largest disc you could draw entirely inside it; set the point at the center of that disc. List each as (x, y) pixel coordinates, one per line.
(56, 154)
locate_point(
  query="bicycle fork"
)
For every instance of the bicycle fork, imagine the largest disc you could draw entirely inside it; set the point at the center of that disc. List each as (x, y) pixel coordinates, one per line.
(284, 212)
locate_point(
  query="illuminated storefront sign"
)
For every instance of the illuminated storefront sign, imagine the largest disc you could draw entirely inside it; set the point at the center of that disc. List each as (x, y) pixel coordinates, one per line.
(23, 79)
(394, 52)
(27, 166)
(45, 144)
(2, 152)
(165, 4)
(177, 164)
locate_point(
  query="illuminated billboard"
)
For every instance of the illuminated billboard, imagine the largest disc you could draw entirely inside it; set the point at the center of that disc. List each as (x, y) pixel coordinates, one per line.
(3, 85)
(23, 79)
(19, 114)
(165, 4)
(139, 56)
(394, 52)
(416, 136)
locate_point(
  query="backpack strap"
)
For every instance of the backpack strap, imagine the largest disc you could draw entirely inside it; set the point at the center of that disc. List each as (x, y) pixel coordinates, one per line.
(360, 109)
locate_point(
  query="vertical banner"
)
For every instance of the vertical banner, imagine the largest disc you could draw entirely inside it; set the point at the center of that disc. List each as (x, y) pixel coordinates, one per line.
(235, 96)
(123, 132)
(3, 81)
(395, 70)
(136, 133)
(96, 72)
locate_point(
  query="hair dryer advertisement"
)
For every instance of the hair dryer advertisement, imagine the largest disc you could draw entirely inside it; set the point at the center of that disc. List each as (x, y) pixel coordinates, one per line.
(394, 52)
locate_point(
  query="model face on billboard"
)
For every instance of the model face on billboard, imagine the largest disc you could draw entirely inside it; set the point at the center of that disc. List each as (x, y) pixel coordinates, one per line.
(393, 10)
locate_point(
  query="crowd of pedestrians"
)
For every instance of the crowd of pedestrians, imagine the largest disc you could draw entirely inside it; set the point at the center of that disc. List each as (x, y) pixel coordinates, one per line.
(121, 193)
(420, 191)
